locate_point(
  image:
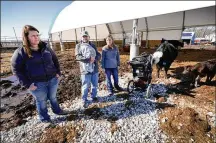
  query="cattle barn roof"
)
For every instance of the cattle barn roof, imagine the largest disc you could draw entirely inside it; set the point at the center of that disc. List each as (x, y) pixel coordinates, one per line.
(117, 16)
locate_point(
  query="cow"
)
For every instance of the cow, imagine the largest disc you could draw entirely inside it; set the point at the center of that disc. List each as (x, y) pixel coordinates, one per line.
(202, 69)
(165, 54)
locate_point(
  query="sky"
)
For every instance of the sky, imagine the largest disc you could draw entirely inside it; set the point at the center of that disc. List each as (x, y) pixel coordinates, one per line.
(40, 14)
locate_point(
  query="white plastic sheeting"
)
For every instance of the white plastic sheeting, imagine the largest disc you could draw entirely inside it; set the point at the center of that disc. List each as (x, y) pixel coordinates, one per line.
(164, 18)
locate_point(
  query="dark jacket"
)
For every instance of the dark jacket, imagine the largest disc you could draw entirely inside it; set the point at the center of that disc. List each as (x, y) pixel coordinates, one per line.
(42, 67)
(81, 58)
(110, 57)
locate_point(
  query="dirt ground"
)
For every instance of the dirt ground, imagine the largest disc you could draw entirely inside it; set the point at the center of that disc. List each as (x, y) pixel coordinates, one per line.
(186, 122)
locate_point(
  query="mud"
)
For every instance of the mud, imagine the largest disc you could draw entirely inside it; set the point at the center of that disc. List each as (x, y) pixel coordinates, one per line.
(188, 114)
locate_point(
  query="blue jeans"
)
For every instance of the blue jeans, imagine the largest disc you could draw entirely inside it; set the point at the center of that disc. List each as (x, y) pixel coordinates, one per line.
(46, 91)
(114, 73)
(87, 80)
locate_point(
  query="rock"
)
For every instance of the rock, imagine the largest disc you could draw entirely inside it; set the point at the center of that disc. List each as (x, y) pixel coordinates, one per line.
(210, 114)
(179, 127)
(138, 123)
(164, 120)
(99, 140)
(161, 99)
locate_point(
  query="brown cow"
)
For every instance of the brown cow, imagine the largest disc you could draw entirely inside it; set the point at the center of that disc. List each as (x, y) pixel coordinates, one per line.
(206, 68)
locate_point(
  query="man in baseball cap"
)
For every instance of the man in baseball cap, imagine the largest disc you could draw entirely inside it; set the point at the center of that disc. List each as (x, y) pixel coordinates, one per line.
(88, 78)
(85, 33)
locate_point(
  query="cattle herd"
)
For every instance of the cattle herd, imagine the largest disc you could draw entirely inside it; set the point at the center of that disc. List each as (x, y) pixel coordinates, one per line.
(167, 52)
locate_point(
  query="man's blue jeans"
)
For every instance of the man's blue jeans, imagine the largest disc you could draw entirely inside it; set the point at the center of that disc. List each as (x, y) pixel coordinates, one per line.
(46, 91)
(114, 73)
(87, 80)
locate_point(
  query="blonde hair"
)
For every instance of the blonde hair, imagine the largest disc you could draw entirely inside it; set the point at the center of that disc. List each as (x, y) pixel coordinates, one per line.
(111, 37)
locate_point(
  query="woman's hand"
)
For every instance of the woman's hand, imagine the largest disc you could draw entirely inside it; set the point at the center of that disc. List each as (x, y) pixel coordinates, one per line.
(32, 87)
(103, 70)
(59, 78)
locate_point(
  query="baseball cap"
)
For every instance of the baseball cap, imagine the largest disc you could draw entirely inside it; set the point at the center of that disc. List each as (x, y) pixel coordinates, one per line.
(84, 33)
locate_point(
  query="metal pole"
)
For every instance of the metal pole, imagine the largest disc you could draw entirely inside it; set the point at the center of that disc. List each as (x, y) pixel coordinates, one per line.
(134, 50)
(123, 34)
(76, 36)
(50, 41)
(61, 43)
(96, 35)
(135, 23)
(147, 30)
(183, 21)
(141, 38)
(108, 28)
(15, 34)
(82, 29)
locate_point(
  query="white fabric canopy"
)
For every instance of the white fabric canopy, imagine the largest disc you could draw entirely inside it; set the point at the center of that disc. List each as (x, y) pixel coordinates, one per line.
(164, 18)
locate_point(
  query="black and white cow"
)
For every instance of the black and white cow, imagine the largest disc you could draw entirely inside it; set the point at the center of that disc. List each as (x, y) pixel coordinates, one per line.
(165, 54)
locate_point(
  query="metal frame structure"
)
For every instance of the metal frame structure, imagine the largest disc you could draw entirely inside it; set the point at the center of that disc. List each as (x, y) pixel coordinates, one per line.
(168, 22)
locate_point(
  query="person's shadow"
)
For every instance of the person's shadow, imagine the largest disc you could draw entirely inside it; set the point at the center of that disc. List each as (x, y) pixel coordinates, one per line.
(119, 106)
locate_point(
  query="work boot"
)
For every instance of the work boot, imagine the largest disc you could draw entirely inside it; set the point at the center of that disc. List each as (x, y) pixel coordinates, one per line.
(119, 88)
(95, 99)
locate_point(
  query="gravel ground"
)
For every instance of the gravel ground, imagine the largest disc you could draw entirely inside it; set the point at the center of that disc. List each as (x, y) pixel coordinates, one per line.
(118, 118)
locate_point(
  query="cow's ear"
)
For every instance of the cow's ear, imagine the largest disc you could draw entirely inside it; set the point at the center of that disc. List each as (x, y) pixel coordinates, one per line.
(162, 40)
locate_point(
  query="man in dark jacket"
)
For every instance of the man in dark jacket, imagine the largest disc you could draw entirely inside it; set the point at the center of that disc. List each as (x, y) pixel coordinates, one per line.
(87, 77)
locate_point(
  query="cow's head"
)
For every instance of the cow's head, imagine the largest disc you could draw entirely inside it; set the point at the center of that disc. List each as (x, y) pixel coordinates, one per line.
(187, 74)
(163, 40)
(176, 43)
(164, 44)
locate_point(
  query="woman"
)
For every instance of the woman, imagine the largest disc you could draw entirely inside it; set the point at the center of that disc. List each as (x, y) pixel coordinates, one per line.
(110, 63)
(37, 68)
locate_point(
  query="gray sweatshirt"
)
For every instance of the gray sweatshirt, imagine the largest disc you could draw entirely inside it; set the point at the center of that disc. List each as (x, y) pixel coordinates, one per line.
(88, 52)
(80, 57)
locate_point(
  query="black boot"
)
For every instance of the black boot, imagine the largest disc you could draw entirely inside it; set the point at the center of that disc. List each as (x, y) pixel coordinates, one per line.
(119, 88)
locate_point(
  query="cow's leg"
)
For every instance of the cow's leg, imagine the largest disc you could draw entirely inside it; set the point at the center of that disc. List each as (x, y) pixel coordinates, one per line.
(158, 70)
(207, 78)
(193, 80)
(197, 81)
(211, 77)
(166, 68)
